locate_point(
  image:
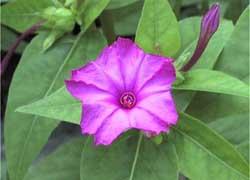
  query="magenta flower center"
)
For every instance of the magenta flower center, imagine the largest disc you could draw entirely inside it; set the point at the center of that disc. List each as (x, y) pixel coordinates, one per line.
(128, 100)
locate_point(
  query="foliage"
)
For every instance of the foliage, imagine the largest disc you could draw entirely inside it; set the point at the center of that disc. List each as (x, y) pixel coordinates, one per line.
(211, 140)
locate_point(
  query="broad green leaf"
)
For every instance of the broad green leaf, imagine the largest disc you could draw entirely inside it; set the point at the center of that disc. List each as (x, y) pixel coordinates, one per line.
(158, 30)
(235, 57)
(8, 37)
(59, 105)
(235, 128)
(189, 35)
(115, 4)
(3, 169)
(22, 14)
(38, 75)
(182, 99)
(211, 107)
(90, 10)
(63, 164)
(126, 19)
(132, 158)
(213, 81)
(24, 143)
(204, 154)
(189, 31)
(244, 149)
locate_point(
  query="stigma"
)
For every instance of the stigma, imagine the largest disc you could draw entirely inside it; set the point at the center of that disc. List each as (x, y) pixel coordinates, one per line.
(128, 100)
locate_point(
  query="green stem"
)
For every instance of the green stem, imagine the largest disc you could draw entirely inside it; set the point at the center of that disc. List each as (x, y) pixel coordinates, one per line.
(136, 156)
(108, 26)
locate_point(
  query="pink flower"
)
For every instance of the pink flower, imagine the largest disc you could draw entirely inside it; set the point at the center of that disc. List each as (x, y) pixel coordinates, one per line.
(124, 88)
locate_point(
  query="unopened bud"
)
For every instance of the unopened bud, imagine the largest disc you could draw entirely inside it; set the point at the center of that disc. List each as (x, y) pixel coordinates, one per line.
(209, 25)
(59, 18)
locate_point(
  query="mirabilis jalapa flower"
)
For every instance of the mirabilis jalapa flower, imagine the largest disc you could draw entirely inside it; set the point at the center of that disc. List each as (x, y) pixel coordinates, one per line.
(126, 88)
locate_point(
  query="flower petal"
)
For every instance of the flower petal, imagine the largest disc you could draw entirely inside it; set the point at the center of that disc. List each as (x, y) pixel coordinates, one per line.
(156, 72)
(94, 74)
(113, 126)
(161, 81)
(93, 116)
(141, 119)
(124, 57)
(88, 93)
(161, 105)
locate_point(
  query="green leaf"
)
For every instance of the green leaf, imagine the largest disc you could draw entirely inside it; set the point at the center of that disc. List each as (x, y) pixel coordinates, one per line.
(213, 81)
(115, 4)
(189, 31)
(59, 105)
(182, 99)
(132, 159)
(158, 30)
(90, 10)
(244, 149)
(204, 154)
(22, 14)
(62, 164)
(235, 57)
(235, 128)
(3, 169)
(38, 75)
(126, 19)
